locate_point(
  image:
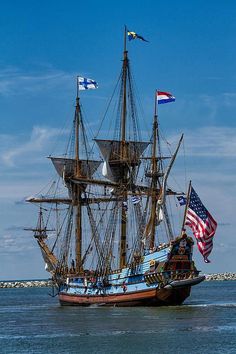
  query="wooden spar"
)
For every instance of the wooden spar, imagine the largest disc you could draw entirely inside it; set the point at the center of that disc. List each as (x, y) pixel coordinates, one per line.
(125, 36)
(157, 158)
(187, 204)
(49, 200)
(48, 254)
(144, 191)
(78, 231)
(77, 191)
(161, 201)
(77, 122)
(123, 153)
(40, 235)
(123, 232)
(123, 122)
(154, 178)
(82, 180)
(124, 108)
(164, 182)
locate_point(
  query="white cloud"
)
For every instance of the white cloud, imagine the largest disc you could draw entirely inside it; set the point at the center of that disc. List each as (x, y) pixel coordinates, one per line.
(207, 150)
(15, 244)
(25, 170)
(15, 82)
(13, 149)
(229, 99)
(218, 142)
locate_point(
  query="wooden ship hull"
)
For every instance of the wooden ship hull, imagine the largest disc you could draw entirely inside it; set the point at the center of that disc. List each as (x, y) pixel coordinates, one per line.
(161, 279)
(151, 297)
(167, 296)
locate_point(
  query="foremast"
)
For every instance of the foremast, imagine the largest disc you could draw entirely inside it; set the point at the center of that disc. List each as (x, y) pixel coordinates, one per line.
(77, 191)
(71, 170)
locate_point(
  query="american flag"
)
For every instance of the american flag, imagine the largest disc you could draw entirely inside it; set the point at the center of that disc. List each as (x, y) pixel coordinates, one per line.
(202, 224)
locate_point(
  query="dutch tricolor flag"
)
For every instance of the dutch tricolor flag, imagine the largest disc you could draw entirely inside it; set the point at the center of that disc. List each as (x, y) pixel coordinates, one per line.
(164, 97)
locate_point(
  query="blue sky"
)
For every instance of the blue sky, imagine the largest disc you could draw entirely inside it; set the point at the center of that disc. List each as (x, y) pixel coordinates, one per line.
(45, 45)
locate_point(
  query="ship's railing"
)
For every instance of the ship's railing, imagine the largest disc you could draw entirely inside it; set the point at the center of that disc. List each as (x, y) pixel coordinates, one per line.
(167, 276)
(159, 278)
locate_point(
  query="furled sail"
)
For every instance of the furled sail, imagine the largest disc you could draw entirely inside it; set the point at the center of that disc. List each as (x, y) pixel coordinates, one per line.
(65, 167)
(112, 154)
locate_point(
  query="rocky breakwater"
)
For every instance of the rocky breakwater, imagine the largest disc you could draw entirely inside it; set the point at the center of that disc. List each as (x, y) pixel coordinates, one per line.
(26, 284)
(49, 283)
(221, 276)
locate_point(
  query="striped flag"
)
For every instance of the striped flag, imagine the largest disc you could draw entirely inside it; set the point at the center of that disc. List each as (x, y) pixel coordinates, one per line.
(202, 224)
(135, 199)
(164, 97)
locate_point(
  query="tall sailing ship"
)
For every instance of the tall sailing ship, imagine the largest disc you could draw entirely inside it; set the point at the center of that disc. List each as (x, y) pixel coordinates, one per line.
(112, 240)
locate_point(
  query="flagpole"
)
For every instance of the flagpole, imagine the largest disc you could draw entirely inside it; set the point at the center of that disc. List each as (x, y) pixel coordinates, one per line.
(155, 107)
(125, 38)
(77, 112)
(187, 204)
(77, 84)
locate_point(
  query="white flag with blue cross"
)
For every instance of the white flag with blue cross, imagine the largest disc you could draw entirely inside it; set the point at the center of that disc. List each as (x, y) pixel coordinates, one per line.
(86, 84)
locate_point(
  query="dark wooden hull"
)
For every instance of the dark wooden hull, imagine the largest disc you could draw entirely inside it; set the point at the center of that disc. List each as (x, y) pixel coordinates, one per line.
(149, 297)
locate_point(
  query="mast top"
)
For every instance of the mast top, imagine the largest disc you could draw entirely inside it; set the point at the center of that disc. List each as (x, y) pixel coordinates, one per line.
(125, 39)
(77, 86)
(155, 105)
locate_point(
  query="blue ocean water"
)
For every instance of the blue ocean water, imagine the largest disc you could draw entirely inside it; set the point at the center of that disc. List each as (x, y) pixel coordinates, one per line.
(31, 321)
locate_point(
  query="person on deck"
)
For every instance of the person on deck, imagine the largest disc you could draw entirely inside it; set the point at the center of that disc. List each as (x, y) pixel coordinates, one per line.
(85, 284)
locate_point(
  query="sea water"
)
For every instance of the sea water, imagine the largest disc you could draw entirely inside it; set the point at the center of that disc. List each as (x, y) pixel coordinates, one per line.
(32, 321)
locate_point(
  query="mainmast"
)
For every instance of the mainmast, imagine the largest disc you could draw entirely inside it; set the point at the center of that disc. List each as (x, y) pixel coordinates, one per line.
(124, 79)
(123, 155)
